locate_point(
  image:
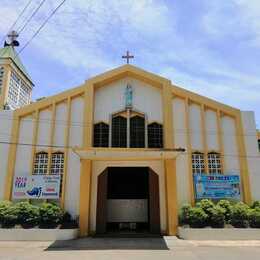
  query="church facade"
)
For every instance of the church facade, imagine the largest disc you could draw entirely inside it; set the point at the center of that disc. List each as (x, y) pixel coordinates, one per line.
(127, 144)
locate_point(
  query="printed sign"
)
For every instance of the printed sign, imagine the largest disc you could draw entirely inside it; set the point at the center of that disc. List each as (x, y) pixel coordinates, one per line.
(217, 186)
(36, 187)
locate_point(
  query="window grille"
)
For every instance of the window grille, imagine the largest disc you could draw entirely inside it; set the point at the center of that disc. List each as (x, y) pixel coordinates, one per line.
(198, 163)
(119, 131)
(214, 163)
(128, 129)
(137, 132)
(57, 166)
(57, 163)
(19, 92)
(14, 88)
(40, 163)
(101, 135)
(155, 135)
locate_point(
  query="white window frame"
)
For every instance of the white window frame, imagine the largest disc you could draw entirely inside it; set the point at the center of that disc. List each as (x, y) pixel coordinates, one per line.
(57, 163)
(198, 163)
(214, 163)
(40, 165)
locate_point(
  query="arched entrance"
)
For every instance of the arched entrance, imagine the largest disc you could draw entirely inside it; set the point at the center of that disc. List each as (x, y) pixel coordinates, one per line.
(128, 200)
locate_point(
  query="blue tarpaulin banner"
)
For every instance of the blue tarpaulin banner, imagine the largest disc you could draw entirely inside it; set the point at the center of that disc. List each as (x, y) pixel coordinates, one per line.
(217, 186)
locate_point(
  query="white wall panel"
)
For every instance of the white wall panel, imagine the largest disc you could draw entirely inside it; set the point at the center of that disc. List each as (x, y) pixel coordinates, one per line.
(195, 127)
(230, 145)
(5, 136)
(180, 140)
(182, 172)
(253, 155)
(23, 154)
(72, 189)
(77, 122)
(60, 125)
(211, 130)
(179, 123)
(44, 129)
(110, 99)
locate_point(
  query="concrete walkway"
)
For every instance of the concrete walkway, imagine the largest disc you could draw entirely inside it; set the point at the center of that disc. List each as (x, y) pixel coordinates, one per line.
(128, 249)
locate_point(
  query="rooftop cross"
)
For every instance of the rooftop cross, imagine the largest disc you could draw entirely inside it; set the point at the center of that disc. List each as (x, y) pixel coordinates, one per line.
(12, 39)
(127, 57)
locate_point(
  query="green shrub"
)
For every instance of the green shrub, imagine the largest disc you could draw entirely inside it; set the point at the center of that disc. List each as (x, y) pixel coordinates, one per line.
(227, 207)
(184, 214)
(239, 215)
(254, 218)
(9, 218)
(256, 204)
(217, 217)
(4, 205)
(27, 214)
(206, 205)
(50, 215)
(197, 217)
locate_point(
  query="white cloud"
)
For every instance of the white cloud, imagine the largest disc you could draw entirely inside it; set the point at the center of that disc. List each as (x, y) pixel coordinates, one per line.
(82, 32)
(90, 35)
(233, 18)
(232, 91)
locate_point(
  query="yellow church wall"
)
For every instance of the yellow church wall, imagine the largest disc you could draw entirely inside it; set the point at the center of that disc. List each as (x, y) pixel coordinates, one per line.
(80, 101)
(99, 166)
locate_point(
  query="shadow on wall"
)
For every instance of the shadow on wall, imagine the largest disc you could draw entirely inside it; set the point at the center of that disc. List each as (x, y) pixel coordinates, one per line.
(120, 243)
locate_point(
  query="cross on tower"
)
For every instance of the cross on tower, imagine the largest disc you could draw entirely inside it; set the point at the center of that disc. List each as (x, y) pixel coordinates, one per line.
(12, 39)
(13, 35)
(127, 57)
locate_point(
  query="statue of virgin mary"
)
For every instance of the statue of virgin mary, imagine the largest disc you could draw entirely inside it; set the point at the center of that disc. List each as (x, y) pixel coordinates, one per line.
(129, 96)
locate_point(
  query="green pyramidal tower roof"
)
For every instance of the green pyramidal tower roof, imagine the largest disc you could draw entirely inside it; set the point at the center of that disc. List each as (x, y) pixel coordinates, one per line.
(9, 52)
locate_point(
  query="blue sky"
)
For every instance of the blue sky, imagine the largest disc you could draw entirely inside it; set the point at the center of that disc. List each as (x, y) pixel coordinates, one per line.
(209, 47)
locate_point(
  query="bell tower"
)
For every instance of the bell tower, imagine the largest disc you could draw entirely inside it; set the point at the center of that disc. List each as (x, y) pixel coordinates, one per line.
(15, 83)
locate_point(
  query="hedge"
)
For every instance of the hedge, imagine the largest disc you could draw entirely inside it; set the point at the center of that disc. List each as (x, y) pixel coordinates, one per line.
(45, 215)
(217, 215)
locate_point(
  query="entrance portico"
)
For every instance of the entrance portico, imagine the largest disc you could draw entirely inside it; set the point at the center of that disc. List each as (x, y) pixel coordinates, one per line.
(95, 162)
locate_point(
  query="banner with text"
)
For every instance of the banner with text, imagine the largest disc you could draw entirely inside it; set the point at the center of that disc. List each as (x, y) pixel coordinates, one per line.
(36, 187)
(217, 186)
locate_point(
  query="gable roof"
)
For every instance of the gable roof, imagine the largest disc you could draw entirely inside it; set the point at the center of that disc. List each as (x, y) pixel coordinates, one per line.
(9, 52)
(126, 71)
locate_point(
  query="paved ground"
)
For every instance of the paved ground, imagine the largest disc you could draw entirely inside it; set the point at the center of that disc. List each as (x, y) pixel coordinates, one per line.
(128, 249)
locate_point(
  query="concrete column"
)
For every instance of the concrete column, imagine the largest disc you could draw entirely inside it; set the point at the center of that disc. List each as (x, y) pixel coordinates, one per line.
(85, 192)
(171, 196)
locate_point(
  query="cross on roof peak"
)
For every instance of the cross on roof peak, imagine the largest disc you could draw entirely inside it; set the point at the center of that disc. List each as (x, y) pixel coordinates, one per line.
(127, 57)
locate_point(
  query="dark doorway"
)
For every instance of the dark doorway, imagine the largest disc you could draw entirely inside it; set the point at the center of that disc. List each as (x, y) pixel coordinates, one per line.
(128, 200)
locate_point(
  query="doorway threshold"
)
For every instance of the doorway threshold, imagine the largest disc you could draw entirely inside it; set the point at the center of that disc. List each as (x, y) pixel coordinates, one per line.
(128, 235)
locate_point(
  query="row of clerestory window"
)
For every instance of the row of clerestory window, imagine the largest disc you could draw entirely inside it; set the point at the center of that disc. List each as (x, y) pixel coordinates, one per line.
(134, 134)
